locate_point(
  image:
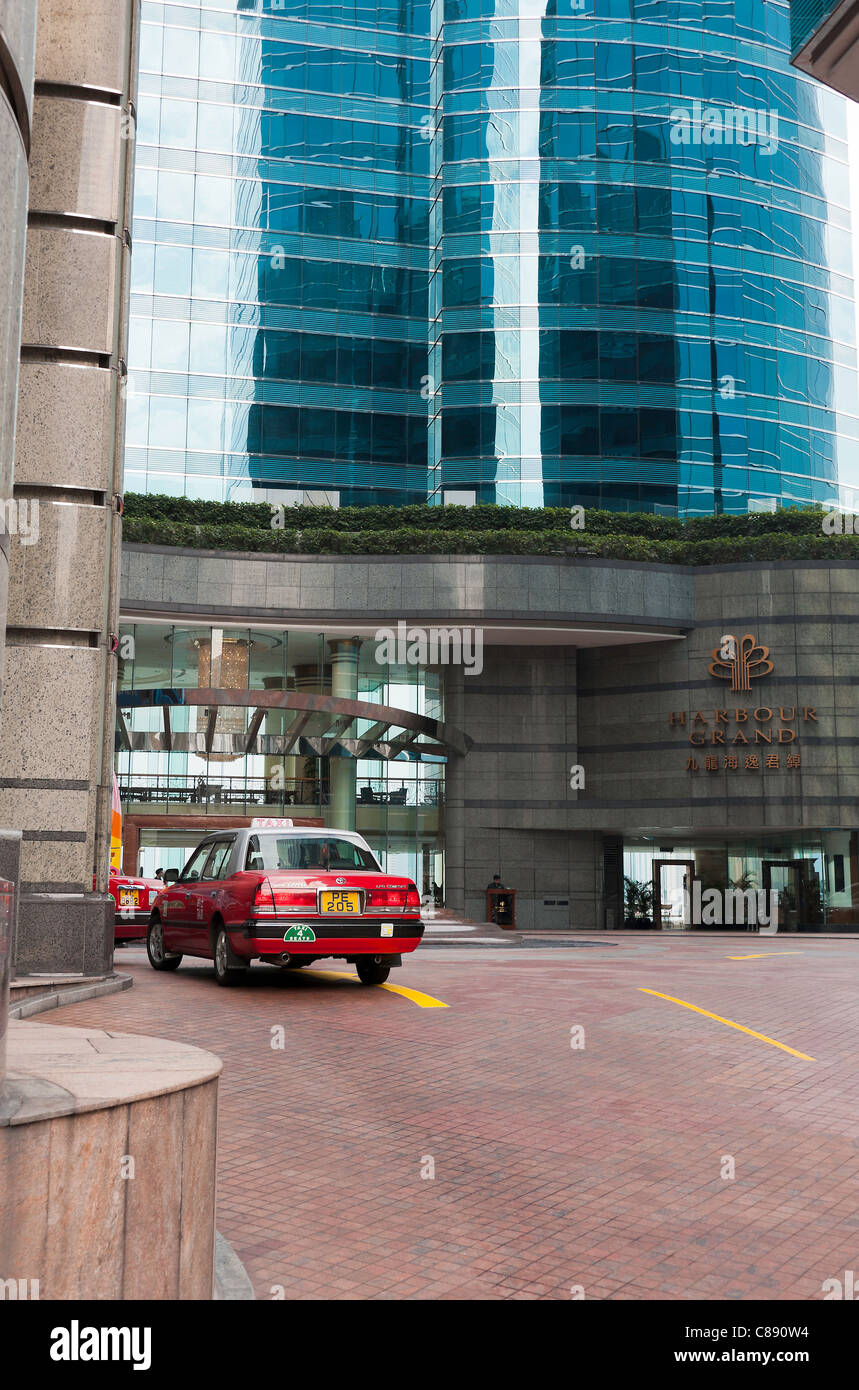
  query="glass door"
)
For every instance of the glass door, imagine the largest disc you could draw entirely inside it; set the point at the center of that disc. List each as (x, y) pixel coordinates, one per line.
(672, 884)
(797, 882)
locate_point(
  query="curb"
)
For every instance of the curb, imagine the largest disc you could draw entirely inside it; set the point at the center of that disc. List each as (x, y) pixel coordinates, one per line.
(232, 1282)
(57, 998)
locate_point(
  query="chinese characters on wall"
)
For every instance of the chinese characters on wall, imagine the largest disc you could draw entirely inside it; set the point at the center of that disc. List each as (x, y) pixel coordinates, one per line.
(739, 728)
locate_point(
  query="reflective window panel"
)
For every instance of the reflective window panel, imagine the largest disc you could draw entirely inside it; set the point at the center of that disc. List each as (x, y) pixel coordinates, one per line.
(541, 251)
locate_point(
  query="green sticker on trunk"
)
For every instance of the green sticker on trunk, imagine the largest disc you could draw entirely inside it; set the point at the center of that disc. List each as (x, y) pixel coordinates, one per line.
(300, 933)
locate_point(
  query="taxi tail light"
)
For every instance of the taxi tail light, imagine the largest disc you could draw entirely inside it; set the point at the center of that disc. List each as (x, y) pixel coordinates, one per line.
(263, 899)
(386, 897)
(292, 901)
(394, 897)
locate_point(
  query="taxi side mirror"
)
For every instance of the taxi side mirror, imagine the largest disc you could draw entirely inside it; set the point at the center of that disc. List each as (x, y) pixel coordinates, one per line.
(170, 875)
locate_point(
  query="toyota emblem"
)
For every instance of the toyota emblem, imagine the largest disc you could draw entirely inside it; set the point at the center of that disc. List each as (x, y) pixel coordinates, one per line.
(340, 880)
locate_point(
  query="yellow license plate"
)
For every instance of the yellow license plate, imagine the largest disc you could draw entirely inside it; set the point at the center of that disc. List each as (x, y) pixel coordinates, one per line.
(340, 903)
(128, 897)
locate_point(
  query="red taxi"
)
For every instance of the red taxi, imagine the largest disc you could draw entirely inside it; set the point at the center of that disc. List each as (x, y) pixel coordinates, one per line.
(133, 898)
(285, 896)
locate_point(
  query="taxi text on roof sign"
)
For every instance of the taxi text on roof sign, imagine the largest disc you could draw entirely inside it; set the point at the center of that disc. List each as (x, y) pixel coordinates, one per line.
(270, 823)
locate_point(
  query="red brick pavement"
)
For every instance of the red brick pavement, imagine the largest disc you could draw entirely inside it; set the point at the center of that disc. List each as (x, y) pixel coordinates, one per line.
(554, 1166)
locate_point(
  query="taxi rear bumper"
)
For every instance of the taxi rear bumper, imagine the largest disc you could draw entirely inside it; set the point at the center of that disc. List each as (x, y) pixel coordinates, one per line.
(271, 938)
(327, 946)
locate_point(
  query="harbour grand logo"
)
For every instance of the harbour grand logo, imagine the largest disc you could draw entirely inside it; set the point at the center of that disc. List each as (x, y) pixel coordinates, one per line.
(740, 660)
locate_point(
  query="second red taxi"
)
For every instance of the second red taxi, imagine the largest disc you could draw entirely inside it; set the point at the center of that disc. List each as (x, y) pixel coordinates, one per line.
(133, 899)
(286, 896)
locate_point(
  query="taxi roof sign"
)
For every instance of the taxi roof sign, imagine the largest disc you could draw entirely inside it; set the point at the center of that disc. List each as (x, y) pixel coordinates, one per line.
(270, 823)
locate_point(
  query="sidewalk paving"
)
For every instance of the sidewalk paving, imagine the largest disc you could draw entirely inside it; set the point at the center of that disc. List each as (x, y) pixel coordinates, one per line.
(389, 1151)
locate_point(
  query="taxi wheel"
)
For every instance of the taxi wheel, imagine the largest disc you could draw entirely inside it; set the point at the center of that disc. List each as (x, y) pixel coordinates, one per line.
(225, 972)
(158, 958)
(369, 973)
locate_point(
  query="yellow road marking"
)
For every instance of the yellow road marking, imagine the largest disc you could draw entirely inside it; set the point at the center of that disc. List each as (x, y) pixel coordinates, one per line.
(760, 955)
(751, 1032)
(423, 1001)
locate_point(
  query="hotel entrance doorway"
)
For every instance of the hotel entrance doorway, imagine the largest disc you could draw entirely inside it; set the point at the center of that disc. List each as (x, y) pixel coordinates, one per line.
(798, 886)
(672, 883)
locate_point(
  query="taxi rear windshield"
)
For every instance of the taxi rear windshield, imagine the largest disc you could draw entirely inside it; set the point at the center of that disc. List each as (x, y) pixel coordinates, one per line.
(270, 852)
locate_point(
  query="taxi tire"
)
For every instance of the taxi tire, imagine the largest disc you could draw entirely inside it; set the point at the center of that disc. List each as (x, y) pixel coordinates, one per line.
(369, 973)
(225, 972)
(161, 961)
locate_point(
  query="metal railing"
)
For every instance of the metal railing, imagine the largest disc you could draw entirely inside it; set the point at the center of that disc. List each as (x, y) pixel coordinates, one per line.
(426, 791)
(143, 788)
(168, 789)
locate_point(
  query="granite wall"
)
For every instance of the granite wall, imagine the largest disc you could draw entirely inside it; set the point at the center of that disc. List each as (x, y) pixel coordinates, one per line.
(807, 615)
(162, 581)
(55, 743)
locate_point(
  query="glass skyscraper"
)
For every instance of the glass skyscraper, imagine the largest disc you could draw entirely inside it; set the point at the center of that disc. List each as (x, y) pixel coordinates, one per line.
(530, 252)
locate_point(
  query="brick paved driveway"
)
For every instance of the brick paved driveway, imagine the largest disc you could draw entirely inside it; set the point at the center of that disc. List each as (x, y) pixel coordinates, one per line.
(599, 1166)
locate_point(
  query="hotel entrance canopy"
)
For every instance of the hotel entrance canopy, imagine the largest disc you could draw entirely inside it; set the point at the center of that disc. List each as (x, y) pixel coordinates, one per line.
(325, 726)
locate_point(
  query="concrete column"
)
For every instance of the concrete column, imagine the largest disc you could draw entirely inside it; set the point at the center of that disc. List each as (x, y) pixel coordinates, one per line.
(343, 772)
(455, 783)
(17, 57)
(508, 802)
(56, 747)
(274, 724)
(310, 680)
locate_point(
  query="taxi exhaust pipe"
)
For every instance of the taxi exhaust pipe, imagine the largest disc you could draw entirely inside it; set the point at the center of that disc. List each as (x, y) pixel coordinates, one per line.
(284, 958)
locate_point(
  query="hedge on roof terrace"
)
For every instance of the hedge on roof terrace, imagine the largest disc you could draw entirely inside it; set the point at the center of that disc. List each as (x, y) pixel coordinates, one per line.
(790, 534)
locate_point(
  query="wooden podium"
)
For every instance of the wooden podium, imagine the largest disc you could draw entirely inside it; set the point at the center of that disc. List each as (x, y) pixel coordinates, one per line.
(501, 907)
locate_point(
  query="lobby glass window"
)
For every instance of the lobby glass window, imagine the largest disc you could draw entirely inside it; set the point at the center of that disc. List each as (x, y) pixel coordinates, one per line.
(810, 874)
(398, 804)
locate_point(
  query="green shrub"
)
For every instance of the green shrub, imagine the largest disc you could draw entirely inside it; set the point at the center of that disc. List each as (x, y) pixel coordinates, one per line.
(482, 519)
(321, 531)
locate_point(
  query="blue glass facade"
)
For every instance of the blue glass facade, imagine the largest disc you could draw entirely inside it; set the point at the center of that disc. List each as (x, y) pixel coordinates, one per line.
(539, 251)
(281, 251)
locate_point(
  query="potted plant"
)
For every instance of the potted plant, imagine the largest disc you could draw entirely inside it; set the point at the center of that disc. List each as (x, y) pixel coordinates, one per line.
(637, 903)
